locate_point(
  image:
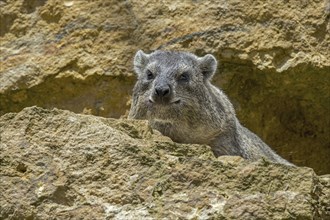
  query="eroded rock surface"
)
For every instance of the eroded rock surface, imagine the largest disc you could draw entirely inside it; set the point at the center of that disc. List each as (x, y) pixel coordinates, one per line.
(58, 164)
(274, 57)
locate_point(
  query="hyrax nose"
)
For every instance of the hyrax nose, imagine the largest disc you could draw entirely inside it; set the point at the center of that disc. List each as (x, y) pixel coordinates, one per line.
(162, 91)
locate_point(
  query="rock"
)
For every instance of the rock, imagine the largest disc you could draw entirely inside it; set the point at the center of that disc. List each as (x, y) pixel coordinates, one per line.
(274, 60)
(59, 164)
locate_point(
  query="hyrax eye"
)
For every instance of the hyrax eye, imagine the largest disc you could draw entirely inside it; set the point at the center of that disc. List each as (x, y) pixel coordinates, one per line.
(150, 75)
(184, 77)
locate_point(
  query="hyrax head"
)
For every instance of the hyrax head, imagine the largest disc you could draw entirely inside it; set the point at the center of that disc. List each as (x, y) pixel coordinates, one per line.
(170, 83)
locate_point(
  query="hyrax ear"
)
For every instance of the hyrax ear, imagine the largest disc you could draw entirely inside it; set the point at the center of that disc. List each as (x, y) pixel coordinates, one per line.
(140, 61)
(207, 65)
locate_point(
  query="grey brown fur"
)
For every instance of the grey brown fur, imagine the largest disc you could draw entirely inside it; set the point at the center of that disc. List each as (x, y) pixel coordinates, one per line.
(174, 93)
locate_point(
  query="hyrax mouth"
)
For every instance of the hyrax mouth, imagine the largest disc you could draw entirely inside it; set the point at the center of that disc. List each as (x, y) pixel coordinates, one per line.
(164, 101)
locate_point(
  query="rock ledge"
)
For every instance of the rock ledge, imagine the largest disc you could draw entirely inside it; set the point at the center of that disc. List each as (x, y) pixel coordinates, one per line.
(56, 164)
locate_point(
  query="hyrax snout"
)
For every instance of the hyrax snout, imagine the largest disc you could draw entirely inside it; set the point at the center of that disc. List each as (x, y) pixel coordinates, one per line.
(162, 92)
(175, 94)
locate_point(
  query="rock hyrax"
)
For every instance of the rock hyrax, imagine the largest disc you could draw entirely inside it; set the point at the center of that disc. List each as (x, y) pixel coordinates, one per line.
(174, 93)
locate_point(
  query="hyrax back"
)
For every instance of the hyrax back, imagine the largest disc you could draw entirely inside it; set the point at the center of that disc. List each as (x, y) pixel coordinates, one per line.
(174, 93)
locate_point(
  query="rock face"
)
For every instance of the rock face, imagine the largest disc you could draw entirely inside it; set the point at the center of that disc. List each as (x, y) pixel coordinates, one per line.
(56, 163)
(274, 57)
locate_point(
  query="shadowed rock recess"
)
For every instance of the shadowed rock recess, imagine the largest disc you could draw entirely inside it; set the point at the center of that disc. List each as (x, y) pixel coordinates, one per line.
(56, 164)
(274, 60)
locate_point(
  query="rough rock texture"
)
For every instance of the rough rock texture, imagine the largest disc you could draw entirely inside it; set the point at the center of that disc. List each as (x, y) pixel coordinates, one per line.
(274, 56)
(56, 164)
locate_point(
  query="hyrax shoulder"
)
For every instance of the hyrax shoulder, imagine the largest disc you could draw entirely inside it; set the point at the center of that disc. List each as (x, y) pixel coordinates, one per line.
(174, 93)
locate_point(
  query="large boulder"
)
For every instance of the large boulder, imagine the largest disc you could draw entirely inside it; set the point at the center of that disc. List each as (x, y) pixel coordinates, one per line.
(274, 60)
(57, 164)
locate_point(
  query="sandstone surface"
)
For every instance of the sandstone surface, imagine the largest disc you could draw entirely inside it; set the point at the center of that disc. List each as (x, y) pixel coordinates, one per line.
(274, 60)
(56, 164)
